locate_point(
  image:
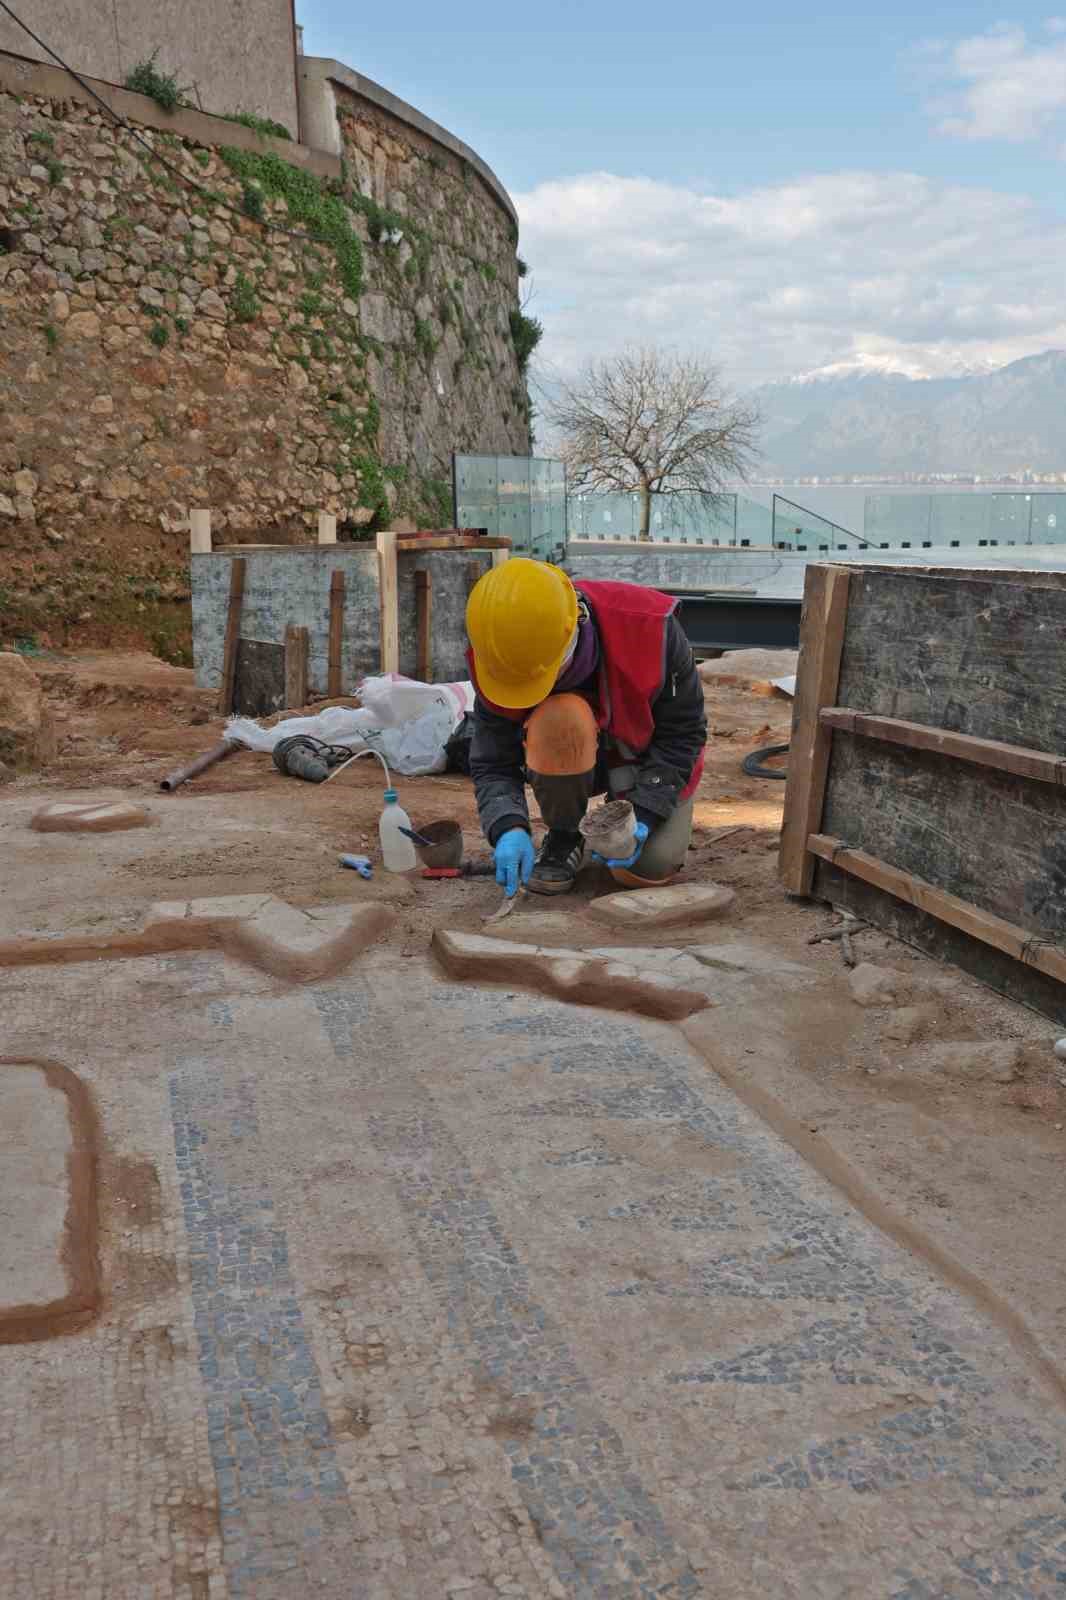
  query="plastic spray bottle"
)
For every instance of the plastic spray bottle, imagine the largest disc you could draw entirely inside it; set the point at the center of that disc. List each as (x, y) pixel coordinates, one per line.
(397, 851)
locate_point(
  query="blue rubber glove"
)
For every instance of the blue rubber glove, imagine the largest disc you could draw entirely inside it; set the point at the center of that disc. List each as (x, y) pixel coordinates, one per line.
(514, 858)
(641, 831)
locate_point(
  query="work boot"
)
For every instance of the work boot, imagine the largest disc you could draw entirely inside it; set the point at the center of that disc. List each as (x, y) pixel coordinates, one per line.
(557, 864)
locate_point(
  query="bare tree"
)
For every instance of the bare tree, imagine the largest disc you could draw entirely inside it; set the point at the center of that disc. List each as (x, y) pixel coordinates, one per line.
(650, 422)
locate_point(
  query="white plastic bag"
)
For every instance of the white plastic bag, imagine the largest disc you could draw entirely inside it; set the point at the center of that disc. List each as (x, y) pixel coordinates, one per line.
(408, 722)
(394, 699)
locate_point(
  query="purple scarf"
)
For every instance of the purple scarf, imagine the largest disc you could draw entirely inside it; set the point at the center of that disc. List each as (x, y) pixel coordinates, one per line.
(584, 661)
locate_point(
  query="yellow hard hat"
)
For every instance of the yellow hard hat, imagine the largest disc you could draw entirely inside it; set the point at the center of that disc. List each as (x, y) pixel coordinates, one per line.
(520, 619)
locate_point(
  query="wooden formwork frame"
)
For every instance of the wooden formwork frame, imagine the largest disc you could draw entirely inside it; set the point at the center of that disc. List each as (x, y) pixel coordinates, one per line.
(817, 720)
(388, 546)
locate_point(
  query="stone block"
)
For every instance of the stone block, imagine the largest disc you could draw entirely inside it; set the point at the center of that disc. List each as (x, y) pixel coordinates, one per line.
(677, 906)
(584, 977)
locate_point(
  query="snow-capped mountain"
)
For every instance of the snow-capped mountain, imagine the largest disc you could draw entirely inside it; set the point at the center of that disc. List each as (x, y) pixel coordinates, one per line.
(865, 416)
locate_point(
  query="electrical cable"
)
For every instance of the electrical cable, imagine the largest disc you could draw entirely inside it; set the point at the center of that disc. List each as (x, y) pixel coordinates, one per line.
(183, 177)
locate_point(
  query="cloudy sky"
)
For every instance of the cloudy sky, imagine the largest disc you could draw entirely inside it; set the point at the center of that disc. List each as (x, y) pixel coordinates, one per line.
(785, 190)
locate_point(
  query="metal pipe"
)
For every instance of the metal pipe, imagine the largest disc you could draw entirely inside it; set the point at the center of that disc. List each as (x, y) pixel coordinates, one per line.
(193, 769)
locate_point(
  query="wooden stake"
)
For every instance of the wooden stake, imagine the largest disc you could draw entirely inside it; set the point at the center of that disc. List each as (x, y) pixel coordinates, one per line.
(327, 528)
(336, 632)
(825, 611)
(424, 619)
(388, 582)
(296, 648)
(233, 635)
(200, 532)
(473, 574)
(1029, 948)
(500, 556)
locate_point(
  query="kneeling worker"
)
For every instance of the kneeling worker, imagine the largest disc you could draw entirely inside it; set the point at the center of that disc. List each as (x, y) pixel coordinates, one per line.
(583, 689)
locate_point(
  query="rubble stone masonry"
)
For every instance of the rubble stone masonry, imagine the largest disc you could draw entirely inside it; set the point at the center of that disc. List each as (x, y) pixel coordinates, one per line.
(166, 343)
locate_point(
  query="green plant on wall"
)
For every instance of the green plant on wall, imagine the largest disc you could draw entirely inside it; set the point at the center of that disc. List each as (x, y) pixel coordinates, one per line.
(159, 334)
(252, 202)
(424, 338)
(162, 87)
(309, 202)
(267, 125)
(437, 500)
(526, 332)
(244, 302)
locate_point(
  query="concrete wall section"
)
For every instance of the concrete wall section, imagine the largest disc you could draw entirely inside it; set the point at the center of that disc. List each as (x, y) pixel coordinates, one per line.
(240, 56)
(283, 586)
(451, 579)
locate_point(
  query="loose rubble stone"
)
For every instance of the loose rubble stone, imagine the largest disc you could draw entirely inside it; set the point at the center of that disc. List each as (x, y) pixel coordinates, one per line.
(76, 816)
(873, 986)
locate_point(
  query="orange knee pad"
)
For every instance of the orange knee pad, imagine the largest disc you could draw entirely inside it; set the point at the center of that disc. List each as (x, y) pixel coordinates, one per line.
(561, 737)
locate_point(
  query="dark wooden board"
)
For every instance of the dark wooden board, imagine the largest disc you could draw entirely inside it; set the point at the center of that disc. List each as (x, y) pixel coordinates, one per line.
(825, 611)
(334, 683)
(226, 701)
(996, 840)
(259, 689)
(991, 967)
(296, 650)
(975, 655)
(979, 654)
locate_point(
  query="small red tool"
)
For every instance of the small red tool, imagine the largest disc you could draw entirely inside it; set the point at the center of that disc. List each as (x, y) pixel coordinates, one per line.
(469, 869)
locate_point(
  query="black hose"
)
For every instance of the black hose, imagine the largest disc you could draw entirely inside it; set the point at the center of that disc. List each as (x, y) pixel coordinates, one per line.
(753, 763)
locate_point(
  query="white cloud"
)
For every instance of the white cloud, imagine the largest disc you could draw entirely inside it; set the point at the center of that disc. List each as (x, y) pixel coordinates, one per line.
(774, 281)
(1003, 85)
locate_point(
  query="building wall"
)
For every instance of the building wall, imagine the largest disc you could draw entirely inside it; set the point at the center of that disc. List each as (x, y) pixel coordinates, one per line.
(240, 56)
(234, 331)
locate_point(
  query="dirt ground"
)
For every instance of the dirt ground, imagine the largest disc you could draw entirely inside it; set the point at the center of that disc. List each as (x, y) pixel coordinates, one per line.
(967, 1168)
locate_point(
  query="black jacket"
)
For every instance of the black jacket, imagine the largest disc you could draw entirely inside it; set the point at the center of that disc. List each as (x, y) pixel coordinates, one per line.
(663, 769)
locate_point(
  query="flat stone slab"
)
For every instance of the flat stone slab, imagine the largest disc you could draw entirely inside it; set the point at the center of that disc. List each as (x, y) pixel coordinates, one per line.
(663, 908)
(76, 816)
(47, 1202)
(584, 977)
